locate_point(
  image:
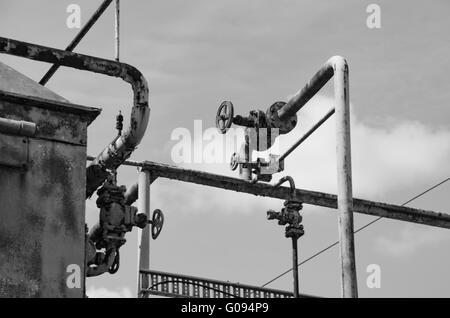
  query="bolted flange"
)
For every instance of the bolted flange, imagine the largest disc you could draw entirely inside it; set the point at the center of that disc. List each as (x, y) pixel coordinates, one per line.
(284, 126)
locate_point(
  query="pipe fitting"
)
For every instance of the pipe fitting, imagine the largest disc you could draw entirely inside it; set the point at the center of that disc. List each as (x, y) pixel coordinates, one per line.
(120, 148)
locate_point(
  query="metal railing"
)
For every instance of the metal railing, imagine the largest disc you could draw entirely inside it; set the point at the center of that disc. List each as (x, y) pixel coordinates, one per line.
(184, 286)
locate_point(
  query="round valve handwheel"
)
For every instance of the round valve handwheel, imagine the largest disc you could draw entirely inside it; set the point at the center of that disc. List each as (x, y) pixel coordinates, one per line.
(234, 162)
(224, 118)
(157, 223)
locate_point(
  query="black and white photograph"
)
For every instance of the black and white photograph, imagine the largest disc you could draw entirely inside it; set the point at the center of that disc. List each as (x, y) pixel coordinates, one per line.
(224, 156)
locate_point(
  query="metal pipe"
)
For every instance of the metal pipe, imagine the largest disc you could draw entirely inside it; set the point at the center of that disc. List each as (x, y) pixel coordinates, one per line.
(344, 177)
(337, 67)
(286, 179)
(117, 30)
(77, 39)
(17, 127)
(121, 147)
(295, 267)
(306, 136)
(132, 194)
(308, 91)
(144, 239)
(327, 200)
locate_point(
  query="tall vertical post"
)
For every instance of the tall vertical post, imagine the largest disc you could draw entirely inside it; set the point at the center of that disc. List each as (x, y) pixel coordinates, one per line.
(344, 178)
(144, 235)
(117, 30)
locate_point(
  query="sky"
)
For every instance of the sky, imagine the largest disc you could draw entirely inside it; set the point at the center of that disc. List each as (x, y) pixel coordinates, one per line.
(195, 54)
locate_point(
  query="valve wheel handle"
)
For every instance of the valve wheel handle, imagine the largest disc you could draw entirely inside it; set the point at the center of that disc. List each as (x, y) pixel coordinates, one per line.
(157, 223)
(234, 162)
(224, 117)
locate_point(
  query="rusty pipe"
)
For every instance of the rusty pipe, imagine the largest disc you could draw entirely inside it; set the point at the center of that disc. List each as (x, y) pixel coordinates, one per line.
(17, 127)
(311, 88)
(336, 67)
(120, 148)
(286, 179)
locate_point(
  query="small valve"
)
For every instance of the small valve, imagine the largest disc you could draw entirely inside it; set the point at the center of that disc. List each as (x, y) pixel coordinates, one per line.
(157, 223)
(234, 162)
(119, 123)
(224, 117)
(290, 216)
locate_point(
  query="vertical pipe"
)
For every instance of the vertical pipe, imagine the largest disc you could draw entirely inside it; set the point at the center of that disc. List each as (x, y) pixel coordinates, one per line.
(344, 178)
(295, 266)
(117, 32)
(144, 235)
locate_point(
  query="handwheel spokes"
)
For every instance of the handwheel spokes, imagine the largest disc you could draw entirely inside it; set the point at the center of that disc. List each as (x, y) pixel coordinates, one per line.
(157, 223)
(224, 117)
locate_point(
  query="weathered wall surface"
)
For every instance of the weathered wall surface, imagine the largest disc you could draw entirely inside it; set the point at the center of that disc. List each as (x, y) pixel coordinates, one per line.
(42, 199)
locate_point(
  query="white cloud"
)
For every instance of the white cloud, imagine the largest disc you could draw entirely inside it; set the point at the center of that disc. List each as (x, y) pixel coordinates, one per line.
(94, 292)
(410, 239)
(404, 154)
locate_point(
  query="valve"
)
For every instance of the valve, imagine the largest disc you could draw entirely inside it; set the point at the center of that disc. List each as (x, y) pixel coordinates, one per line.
(259, 136)
(224, 117)
(290, 213)
(234, 161)
(119, 123)
(290, 216)
(115, 220)
(157, 223)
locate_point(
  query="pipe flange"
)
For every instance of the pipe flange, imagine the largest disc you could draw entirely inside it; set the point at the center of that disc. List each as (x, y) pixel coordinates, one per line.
(285, 126)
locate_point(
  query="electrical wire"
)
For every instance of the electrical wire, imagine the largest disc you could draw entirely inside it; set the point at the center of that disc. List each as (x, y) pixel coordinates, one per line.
(358, 230)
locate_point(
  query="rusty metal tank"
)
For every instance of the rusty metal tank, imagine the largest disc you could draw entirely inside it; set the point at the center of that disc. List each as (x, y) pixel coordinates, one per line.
(43, 140)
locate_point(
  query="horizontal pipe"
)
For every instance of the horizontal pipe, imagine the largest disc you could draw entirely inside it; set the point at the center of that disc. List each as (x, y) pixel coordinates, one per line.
(77, 39)
(121, 147)
(308, 91)
(17, 127)
(306, 136)
(389, 211)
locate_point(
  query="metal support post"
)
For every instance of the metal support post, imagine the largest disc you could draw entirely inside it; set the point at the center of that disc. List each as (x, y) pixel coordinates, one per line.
(144, 235)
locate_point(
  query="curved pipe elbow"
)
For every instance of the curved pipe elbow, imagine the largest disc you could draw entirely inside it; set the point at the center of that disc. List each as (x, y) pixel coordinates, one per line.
(336, 64)
(120, 148)
(286, 179)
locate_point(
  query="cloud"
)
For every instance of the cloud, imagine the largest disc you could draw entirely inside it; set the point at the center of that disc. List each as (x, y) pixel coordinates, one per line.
(94, 292)
(402, 154)
(410, 239)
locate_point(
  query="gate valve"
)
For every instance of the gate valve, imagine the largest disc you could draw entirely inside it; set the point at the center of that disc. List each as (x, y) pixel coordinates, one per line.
(257, 118)
(225, 118)
(289, 215)
(259, 136)
(108, 235)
